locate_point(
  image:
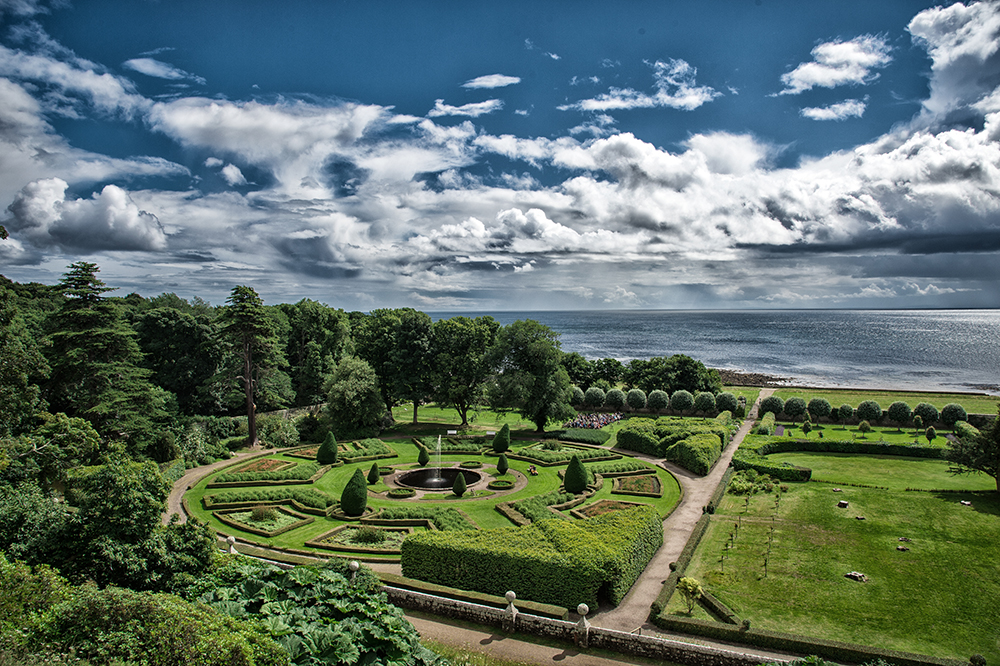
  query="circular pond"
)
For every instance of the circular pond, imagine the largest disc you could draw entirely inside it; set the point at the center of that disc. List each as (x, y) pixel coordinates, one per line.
(437, 478)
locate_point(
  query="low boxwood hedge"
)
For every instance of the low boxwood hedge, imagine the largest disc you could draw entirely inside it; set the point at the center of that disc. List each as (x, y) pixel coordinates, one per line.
(298, 472)
(304, 496)
(444, 518)
(551, 561)
(583, 436)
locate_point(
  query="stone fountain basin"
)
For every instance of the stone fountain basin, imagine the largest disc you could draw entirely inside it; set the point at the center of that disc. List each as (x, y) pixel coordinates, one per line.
(437, 478)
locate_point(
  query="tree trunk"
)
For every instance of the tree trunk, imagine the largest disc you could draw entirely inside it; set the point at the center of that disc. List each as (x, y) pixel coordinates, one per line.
(415, 403)
(248, 387)
(464, 412)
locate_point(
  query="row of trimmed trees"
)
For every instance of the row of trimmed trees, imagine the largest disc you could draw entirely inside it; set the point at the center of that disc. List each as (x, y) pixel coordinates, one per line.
(899, 412)
(658, 400)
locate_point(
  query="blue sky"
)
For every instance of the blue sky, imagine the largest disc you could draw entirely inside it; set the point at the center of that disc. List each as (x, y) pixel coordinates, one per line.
(511, 155)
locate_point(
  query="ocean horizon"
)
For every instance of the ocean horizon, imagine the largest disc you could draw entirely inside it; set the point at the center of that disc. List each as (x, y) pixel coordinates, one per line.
(916, 350)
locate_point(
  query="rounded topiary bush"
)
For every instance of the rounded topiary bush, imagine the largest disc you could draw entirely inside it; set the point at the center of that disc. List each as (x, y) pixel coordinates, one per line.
(819, 408)
(795, 407)
(657, 400)
(704, 402)
(952, 413)
(726, 402)
(845, 412)
(471, 464)
(501, 441)
(869, 410)
(576, 476)
(681, 401)
(594, 397)
(502, 464)
(576, 396)
(354, 499)
(899, 412)
(927, 412)
(328, 450)
(500, 484)
(636, 398)
(614, 399)
(772, 404)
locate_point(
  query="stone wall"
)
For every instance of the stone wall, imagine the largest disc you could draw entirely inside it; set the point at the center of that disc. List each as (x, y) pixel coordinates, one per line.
(650, 647)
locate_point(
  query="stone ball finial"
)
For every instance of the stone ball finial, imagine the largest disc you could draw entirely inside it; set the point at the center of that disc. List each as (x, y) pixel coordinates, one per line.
(510, 596)
(583, 609)
(354, 565)
(230, 540)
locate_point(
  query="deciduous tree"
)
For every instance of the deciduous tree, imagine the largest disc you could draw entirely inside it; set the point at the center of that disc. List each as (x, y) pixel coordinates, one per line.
(977, 454)
(899, 412)
(461, 368)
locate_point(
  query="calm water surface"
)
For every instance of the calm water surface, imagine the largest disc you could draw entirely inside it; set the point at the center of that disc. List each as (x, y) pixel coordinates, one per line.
(902, 349)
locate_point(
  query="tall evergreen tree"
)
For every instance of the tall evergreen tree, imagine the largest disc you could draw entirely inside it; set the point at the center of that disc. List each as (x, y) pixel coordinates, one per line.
(21, 367)
(95, 362)
(249, 329)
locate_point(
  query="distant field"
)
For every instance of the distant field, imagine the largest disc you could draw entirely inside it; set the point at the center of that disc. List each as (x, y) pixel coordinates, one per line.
(893, 472)
(974, 404)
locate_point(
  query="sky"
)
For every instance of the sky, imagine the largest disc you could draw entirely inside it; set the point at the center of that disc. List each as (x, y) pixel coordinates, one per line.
(542, 155)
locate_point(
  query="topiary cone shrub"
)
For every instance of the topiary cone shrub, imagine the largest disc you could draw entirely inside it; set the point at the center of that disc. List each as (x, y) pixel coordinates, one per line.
(354, 499)
(502, 465)
(576, 476)
(328, 450)
(459, 486)
(423, 457)
(501, 441)
(373, 473)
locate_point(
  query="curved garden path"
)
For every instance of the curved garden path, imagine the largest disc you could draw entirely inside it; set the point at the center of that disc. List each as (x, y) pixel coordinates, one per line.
(175, 501)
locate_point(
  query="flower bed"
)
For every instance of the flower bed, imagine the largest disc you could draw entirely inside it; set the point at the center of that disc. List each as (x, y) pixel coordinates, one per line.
(285, 520)
(603, 507)
(401, 493)
(353, 539)
(265, 465)
(645, 486)
(471, 464)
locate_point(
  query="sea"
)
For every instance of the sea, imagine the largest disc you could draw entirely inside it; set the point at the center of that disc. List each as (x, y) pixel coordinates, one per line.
(918, 350)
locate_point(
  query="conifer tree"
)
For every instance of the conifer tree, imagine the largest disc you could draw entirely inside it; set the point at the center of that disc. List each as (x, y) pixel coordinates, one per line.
(354, 499)
(576, 476)
(502, 464)
(328, 451)
(423, 457)
(373, 474)
(501, 441)
(459, 486)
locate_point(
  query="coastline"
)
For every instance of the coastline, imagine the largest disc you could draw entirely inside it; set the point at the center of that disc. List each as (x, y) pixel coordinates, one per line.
(763, 380)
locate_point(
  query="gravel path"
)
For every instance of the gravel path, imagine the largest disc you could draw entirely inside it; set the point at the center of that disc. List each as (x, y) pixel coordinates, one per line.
(175, 504)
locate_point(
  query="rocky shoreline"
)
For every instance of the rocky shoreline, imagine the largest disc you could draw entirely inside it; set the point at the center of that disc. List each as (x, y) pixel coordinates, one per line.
(738, 378)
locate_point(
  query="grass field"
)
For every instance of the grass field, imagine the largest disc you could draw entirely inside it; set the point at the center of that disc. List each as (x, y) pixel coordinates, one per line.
(974, 404)
(480, 510)
(937, 598)
(891, 472)
(889, 435)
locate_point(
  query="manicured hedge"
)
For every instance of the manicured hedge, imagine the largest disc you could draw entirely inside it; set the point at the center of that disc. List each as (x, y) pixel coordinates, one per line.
(784, 445)
(696, 453)
(304, 496)
(551, 561)
(444, 518)
(766, 425)
(300, 472)
(779, 471)
(617, 467)
(962, 429)
(536, 508)
(583, 435)
(366, 449)
(655, 437)
(546, 457)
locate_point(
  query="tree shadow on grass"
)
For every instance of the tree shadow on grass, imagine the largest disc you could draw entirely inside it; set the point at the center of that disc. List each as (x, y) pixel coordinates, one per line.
(983, 502)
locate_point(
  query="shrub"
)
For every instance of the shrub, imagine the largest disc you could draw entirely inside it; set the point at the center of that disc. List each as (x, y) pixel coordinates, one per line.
(864, 428)
(500, 484)
(369, 534)
(952, 413)
(726, 402)
(585, 435)
(502, 465)
(918, 424)
(636, 398)
(691, 590)
(681, 401)
(576, 476)
(277, 431)
(263, 514)
(795, 407)
(299, 472)
(459, 486)
(552, 445)
(310, 428)
(930, 434)
(819, 408)
(444, 518)
(772, 404)
(899, 412)
(766, 425)
(845, 412)
(657, 400)
(614, 399)
(696, 453)
(501, 441)
(354, 499)
(927, 412)
(328, 451)
(373, 474)
(423, 457)
(305, 496)
(594, 397)
(704, 402)
(869, 410)
(576, 397)
(401, 493)
(966, 431)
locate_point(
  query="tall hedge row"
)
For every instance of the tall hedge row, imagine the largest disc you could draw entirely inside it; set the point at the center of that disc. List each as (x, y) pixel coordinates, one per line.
(552, 561)
(696, 453)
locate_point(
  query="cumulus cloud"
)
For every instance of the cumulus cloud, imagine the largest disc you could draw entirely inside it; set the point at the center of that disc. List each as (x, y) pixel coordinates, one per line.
(43, 216)
(963, 42)
(675, 85)
(471, 110)
(161, 70)
(839, 63)
(213, 162)
(491, 81)
(232, 175)
(850, 108)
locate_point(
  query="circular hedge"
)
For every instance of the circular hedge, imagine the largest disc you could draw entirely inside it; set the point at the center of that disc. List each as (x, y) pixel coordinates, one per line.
(401, 493)
(385, 471)
(500, 484)
(471, 464)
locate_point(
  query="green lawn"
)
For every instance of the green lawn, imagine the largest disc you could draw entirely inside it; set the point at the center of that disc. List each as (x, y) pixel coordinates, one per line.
(889, 435)
(893, 472)
(938, 598)
(480, 509)
(973, 403)
(748, 392)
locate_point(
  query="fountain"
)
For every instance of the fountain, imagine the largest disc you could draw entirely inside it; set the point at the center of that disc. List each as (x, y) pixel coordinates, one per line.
(437, 478)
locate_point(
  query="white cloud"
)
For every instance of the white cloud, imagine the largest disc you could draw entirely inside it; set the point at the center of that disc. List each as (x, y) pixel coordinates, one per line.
(839, 63)
(675, 88)
(727, 153)
(472, 110)
(491, 81)
(850, 108)
(232, 175)
(161, 70)
(109, 220)
(213, 162)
